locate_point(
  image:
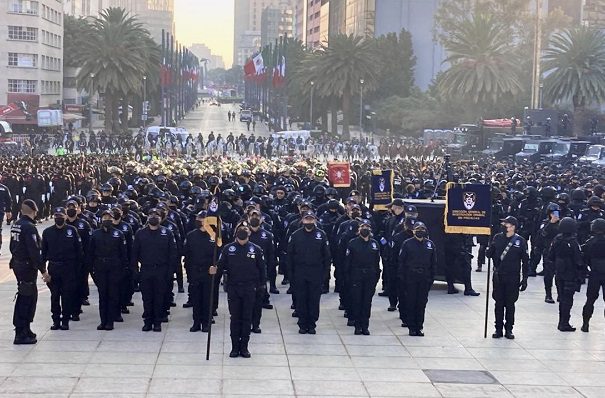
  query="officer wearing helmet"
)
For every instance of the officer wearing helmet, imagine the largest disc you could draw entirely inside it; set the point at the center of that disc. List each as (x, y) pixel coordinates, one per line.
(594, 257)
(563, 200)
(567, 258)
(362, 268)
(417, 264)
(548, 230)
(529, 219)
(590, 213)
(508, 250)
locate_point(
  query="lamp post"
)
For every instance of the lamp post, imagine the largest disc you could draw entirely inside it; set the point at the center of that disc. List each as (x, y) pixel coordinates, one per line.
(311, 111)
(361, 81)
(144, 102)
(92, 84)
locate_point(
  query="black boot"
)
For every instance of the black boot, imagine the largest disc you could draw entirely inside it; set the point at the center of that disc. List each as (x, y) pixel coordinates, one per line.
(29, 332)
(21, 337)
(147, 327)
(585, 323)
(243, 349)
(497, 334)
(56, 325)
(235, 346)
(65, 324)
(196, 327)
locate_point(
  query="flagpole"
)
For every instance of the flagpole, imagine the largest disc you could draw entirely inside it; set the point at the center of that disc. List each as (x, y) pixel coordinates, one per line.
(163, 80)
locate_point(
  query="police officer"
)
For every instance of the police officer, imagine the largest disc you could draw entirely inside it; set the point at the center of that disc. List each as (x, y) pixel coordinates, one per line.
(263, 239)
(106, 257)
(242, 261)
(155, 249)
(508, 250)
(594, 257)
(84, 232)
(588, 215)
(393, 221)
(309, 256)
(200, 250)
(548, 230)
(363, 270)
(62, 249)
(417, 263)
(566, 256)
(126, 279)
(6, 206)
(25, 262)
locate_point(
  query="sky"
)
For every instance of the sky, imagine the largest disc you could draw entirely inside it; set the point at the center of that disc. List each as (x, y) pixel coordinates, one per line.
(206, 21)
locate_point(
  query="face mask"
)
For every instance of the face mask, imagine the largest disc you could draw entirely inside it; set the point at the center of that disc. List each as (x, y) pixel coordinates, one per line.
(254, 222)
(355, 214)
(71, 213)
(309, 227)
(154, 221)
(364, 233)
(420, 234)
(59, 221)
(198, 224)
(242, 234)
(107, 224)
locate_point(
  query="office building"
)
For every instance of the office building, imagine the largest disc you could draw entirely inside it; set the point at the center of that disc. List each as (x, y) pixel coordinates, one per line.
(276, 23)
(31, 56)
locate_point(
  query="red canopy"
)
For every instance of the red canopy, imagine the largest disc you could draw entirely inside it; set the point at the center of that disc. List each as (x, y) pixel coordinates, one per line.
(498, 123)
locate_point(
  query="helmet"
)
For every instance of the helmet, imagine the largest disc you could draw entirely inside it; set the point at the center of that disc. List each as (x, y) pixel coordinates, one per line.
(597, 226)
(563, 199)
(420, 225)
(229, 194)
(319, 190)
(259, 189)
(568, 226)
(106, 188)
(531, 192)
(595, 201)
(578, 195)
(548, 193)
(195, 190)
(185, 186)
(213, 180)
(552, 207)
(332, 192)
(156, 193)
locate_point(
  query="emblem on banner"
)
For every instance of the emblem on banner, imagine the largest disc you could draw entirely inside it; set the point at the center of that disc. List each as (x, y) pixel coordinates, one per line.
(469, 199)
(381, 184)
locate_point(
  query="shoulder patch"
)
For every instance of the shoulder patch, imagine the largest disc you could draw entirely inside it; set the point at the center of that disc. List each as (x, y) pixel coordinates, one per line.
(232, 249)
(116, 234)
(518, 243)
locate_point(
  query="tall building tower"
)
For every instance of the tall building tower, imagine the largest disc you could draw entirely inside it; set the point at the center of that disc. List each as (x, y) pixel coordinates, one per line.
(247, 26)
(31, 57)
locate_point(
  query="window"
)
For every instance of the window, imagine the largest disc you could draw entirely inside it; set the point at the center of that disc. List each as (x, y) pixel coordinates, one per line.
(23, 7)
(50, 87)
(23, 60)
(22, 33)
(21, 86)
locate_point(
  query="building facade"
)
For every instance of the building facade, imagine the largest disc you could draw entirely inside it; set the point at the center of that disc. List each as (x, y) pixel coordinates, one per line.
(247, 25)
(31, 56)
(276, 23)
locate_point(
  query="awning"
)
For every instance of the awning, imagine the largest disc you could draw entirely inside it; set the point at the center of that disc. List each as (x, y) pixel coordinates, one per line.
(497, 123)
(72, 117)
(5, 127)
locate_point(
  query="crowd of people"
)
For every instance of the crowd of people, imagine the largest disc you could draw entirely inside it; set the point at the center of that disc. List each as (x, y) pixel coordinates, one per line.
(134, 225)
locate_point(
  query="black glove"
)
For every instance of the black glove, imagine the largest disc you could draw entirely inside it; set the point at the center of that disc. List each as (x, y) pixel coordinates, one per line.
(523, 285)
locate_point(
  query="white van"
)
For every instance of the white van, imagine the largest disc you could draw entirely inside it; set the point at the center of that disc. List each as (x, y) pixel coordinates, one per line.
(153, 132)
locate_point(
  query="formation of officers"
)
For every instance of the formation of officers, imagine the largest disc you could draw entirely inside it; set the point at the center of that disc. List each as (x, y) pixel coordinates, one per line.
(139, 235)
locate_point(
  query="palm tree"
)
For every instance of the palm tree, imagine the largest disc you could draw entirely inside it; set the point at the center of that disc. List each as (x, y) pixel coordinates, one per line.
(337, 70)
(574, 65)
(115, 59)
(484, 64)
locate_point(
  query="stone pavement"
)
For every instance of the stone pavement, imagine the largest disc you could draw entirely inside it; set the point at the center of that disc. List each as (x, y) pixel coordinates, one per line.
(453, 360)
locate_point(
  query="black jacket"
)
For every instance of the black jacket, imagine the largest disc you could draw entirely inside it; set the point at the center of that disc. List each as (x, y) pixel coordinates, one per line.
(309, 254)
(516, 262)
(243, 264)
(62, 245)
(417, 259)
(154, 248)
(25, 245)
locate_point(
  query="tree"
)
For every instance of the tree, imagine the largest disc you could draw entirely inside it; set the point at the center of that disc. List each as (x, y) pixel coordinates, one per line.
(398, 62)
(484, 64)
(341, 66)
(574, 65)
(118, 52)
(75, 37)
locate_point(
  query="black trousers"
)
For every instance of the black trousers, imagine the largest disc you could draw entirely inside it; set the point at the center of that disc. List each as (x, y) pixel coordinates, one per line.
(126, 287)
(240, 299)
(199, 291)
(82, 289)
(393, 288)
(505, 294)
(27, 296)
(483, 241)
(417, 296)
(401, 293)
(107, 281)
(153, 291)
(63, 290)
(549, 274)
(566, 290)
(362, 292)
(257, 311)
(308, 295)
(596, 282)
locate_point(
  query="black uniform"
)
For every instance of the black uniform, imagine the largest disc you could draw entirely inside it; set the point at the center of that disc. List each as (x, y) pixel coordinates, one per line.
(263, 239)
(156, 251)
(585, 217)
(566, 255)
(362, 267)
(508, 268)
(6, 205)
(127, 277)
(397, 295)
(244, 266)
(309, 256)
(547, 233)
(417, 263)
(199, 252)
(82, 290)
(62, 248)
(106, 257)
(25, 263)
(594, 257)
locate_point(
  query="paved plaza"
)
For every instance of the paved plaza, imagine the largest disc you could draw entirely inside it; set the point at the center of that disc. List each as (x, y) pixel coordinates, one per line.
(453, 360)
